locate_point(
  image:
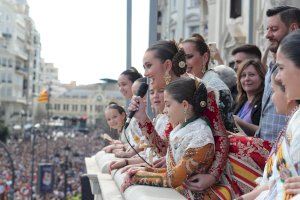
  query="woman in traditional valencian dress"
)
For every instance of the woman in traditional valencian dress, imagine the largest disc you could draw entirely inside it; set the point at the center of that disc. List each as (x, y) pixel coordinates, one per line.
(191, 143)
(284, 160)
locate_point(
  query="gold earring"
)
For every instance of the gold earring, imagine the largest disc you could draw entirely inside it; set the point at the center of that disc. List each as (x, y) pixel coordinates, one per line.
(167, 78)
(184, 111)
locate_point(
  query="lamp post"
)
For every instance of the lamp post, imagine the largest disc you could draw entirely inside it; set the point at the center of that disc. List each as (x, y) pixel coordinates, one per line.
(67, 151)
(12, 189)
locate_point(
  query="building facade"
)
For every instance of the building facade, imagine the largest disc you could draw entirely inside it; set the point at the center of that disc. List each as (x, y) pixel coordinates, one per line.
(229, 23)
(85, 101)
(19, 61)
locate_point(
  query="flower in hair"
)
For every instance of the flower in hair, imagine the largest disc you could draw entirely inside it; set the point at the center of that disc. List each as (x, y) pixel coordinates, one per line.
(181, 64)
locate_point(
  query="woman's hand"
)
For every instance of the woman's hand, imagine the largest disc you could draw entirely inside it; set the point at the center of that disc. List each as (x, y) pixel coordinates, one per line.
(160, 163)
(135, 166)
(128, 179)
(139, 105)
(292, 185)
(108, 149)
(117, 165)
(200, 182)
(122, 154)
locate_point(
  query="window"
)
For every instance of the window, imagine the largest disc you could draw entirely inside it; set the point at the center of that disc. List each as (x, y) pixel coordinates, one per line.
(10, 63)
(9, 78)
(3, 79)
(91, 108)
(194, 3)
(56, 106)
(74, 107)
(98, 108)
(65, 107)
(4, 62)
(159, 18)
(172, 34)
(235, 8)
(83, 108)
(173, 5)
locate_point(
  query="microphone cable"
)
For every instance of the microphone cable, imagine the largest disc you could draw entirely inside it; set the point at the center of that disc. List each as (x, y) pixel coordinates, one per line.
(137, 153)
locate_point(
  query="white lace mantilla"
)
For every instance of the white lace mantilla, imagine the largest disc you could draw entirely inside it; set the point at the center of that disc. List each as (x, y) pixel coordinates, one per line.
(212, 79)
(194, 135)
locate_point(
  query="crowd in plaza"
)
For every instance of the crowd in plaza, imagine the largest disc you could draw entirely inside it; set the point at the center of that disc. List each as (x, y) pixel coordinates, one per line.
(218, 132)
(21, 151)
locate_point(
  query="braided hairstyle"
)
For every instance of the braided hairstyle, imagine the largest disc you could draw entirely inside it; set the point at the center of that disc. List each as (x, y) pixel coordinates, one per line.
(191, 90)
(200, 45)
(169, 50)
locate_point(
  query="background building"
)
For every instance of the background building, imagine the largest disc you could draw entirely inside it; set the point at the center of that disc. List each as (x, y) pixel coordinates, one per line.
(229, 23)
(85, 102)
(19, 61)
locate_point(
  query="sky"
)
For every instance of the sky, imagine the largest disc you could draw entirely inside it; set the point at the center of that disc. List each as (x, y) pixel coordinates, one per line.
(86, 39)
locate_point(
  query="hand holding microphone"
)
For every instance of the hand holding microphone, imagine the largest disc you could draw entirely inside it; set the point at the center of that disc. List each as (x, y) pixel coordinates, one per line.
(137, 105)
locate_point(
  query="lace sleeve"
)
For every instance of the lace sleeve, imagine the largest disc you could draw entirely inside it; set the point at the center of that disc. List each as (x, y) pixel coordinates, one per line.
(160, 146)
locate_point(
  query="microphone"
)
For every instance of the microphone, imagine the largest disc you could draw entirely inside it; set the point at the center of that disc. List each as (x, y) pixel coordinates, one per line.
(141, 93)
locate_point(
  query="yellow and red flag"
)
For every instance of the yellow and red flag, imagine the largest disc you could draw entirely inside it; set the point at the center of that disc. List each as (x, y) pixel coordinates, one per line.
(43, 97)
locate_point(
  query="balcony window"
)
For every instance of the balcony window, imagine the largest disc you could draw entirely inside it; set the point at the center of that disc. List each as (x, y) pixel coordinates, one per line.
(4, 62)
(235, 8)
(173, 5)
(65, 107)
(194, 3)
(74, 107)
(56, 106)
(10, 63)
(83, 108)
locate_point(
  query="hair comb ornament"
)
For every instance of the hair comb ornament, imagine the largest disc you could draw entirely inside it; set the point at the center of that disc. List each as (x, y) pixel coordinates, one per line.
(181, 64)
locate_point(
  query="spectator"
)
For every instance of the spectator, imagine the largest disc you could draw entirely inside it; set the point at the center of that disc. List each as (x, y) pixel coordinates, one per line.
(281, 20)
(229, 77)
(250, 84)
(246, 51)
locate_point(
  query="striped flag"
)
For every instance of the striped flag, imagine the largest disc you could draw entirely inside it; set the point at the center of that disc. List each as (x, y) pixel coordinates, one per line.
(43, 97)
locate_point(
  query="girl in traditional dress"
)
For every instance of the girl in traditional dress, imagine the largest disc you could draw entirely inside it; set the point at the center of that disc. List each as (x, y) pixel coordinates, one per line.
(115, 116)
(191, 143)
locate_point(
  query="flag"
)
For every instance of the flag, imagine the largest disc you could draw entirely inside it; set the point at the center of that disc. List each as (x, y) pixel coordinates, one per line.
(43, 97)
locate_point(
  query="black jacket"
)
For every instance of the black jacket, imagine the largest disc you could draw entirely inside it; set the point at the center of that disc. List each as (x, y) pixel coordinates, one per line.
(255, 113)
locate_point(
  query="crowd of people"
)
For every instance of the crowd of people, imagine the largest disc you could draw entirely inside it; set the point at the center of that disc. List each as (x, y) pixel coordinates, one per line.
(21, 151)
(218, 132)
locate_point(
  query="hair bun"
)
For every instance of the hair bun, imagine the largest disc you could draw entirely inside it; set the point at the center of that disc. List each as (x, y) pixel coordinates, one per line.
(179, 63)
(198, 37)
(200, 97)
